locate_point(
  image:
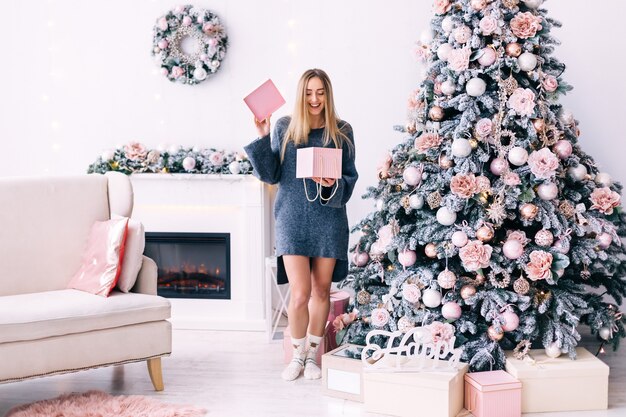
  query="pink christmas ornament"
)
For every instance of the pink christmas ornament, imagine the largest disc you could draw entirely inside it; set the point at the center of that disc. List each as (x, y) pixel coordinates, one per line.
(163, 44)
(510, 321)
(488, 57)
(186, 21)
(451, 310)
(604, 240)
(459, 239)
(411, 176)
(360, 259)
(407, 258)
(563, 149)
(512, 249)
(499, 166)
(446, 279)
(562, 245)
(544, 238)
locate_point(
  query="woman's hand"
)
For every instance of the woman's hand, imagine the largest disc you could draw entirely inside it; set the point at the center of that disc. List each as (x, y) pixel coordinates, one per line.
(326, 182)
(263, 126)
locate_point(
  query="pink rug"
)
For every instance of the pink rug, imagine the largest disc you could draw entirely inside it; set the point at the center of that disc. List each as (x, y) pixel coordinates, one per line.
(100, 404)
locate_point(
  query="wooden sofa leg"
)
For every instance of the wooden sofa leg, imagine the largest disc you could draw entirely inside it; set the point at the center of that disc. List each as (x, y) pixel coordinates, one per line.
(156, 376)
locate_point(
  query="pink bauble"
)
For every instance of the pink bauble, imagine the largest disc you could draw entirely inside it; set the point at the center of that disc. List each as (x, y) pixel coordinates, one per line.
(189, 163)
(604, 240)
(510, 321)
(562, 245)
(451, 310)
(186, 21)
(499, 166)
(459, 239)
(360, 259)
(446, 279)
(411, 176)
(376, 250)
(488, 57)
(547, 191)
(407, 257)
(544, 238)
(563, 149)
(512, 249)
(163, 44)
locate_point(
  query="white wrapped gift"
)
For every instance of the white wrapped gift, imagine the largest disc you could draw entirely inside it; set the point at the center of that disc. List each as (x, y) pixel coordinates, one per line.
(561, 384)
(432, 393)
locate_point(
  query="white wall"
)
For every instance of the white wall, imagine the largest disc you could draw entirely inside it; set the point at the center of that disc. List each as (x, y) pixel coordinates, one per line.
(77, 77)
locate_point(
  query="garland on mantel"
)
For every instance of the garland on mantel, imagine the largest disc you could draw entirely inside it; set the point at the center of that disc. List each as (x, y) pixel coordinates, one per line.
(135, 158)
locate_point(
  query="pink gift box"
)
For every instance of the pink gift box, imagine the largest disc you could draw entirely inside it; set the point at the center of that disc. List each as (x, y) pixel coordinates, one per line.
(493, 394)
(317, 162)
(339, 301)
(288, 347)
(264, 100)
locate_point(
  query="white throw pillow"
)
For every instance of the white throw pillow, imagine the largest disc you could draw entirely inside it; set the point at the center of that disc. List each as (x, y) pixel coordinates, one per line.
(133, 255)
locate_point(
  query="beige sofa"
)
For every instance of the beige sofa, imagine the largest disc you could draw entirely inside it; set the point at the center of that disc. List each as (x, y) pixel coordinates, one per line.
(46, 329)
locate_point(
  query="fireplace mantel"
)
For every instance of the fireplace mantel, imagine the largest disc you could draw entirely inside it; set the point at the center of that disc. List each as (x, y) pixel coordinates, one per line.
(236, 204)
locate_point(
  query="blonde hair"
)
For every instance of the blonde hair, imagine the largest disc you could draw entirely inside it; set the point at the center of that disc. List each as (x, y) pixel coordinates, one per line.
(300, 127)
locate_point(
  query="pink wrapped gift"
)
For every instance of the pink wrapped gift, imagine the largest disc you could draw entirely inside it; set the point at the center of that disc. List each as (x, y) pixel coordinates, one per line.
(288, 347)
(339, 301)
(493, 394)
(317, 162)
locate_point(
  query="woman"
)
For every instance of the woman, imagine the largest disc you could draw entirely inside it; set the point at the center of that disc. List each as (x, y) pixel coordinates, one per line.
(311, 236)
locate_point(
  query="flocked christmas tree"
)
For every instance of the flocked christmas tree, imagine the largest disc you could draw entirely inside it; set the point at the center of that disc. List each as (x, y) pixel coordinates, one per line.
(491, 221)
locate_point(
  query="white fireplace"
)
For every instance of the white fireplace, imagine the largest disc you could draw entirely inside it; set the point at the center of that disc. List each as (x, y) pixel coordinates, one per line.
(239, 205)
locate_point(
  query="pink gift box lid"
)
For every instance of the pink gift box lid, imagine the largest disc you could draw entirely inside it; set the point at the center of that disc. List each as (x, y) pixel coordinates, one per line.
(264, 100)
(492, 381)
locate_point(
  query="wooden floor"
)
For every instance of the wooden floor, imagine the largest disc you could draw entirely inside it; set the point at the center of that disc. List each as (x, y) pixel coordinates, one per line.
(238, 374)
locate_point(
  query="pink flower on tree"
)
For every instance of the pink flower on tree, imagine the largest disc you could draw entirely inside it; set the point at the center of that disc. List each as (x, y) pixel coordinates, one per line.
(343, 320)
(411, 293)
(482, 184)
(414, 102)
(135, 151)
(216, 158)
(385, 235)
(384, 165)
(427, 141)
(379, 317)
(522, 101)
(441, 331)
(458, 59)
(475, 255)
(421, 52)
(177, 72)
(543, 163)
(525, 25)
(539, 265)
(604, 200)
(488, 25)
(464, 185)
(511, 179)
(550, 83)
(484, 127)
(442, 6)
(518, 235)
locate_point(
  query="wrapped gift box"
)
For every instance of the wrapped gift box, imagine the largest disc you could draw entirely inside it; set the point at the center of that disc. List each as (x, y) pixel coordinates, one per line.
(342, 375)
(432, 393)
(288, 347)
(493, 394)
(315, 162)
(561, 384)
(339, 301)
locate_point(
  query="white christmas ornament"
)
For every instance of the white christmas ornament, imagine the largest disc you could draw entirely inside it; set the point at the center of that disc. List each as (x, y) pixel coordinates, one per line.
(234, 168)
(518, 156)
(199, 73)
(605, 333)
(416, 201)
(448, 87)
(407, 258)
(431, 298)
(459, 239)
(443, 51)
(447, 24)
(532, 4)
(451, 311)
(476, 87)
(548, 191)
(107, 155)
(189, 163)
(461, 148)
(380, 205)
(603, 179)
(577, 173)
(553, 350)
(566, 116)
(411, 176)
(527, 61)
(488, 57)
(512, 249)
(445, 216)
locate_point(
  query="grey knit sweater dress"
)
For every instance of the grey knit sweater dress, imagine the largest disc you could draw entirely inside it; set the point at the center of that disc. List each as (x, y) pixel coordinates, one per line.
(313, 229)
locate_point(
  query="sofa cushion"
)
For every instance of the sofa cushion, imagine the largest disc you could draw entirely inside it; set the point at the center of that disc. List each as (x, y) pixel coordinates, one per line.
(55, 313)
(133, 255)
(102, 258)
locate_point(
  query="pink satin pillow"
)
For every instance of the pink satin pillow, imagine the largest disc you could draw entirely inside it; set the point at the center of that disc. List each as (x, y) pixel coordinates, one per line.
(102, 259)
